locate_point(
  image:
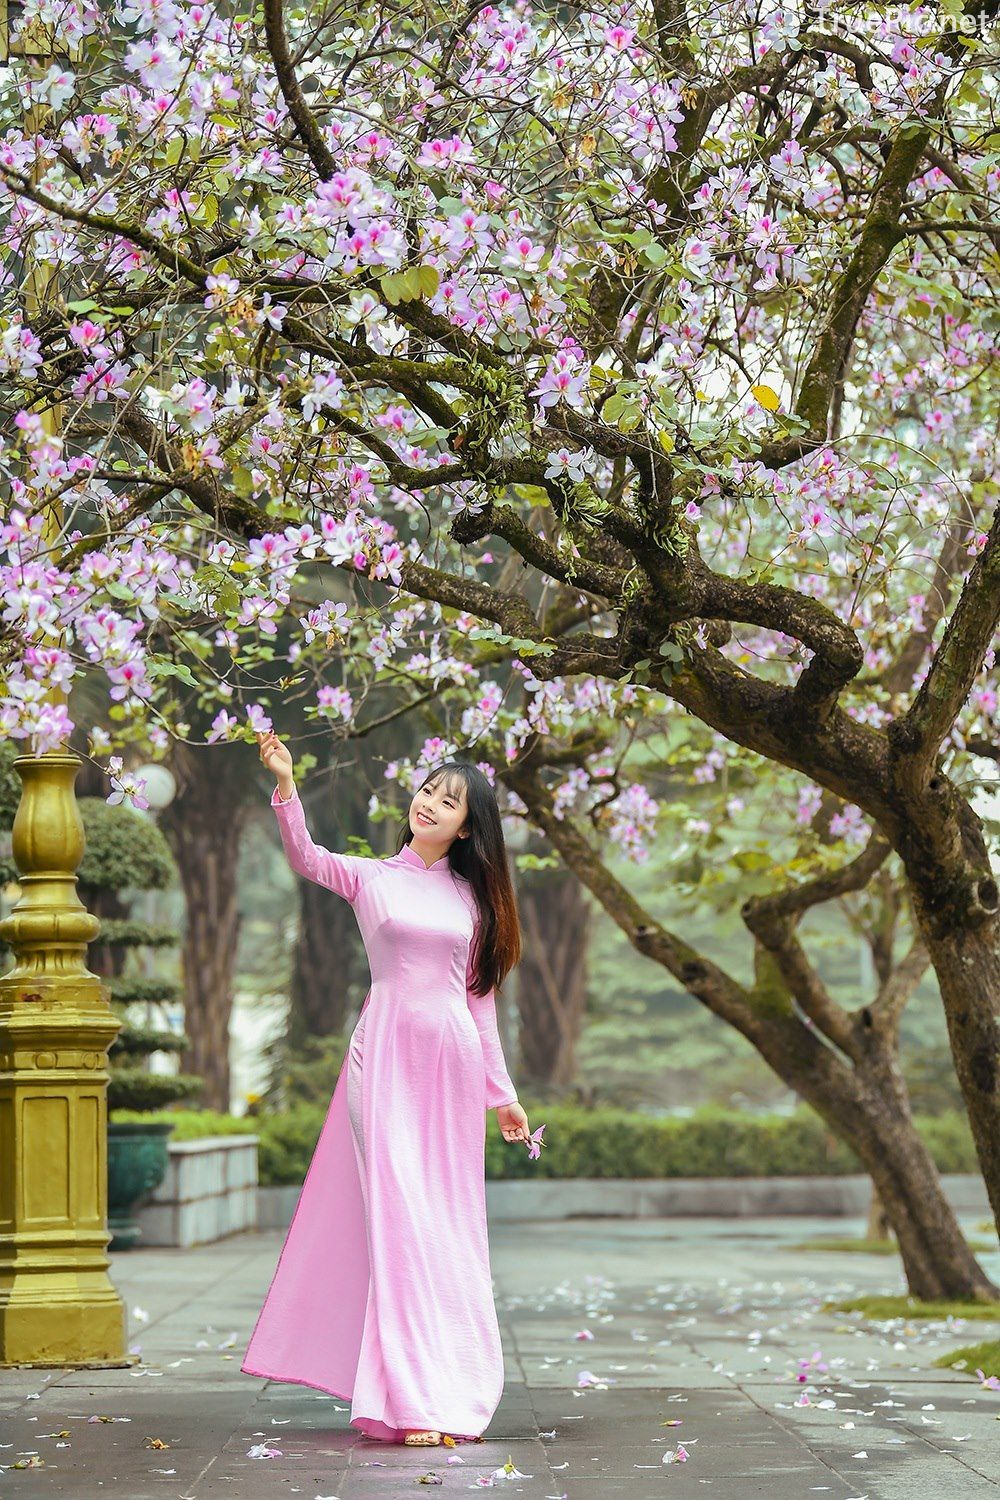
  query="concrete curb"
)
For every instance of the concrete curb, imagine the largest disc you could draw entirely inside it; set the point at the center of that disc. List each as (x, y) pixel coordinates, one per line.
(673, 1197)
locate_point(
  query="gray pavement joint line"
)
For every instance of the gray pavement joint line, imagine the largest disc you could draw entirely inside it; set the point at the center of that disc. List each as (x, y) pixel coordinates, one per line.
(191, 1495)
(224, 1276)
(178, 1307)
(794, 1432)
(507, 1327)
(247, 1420)
(687, 1340)
(928, 1439)
(539, 1446)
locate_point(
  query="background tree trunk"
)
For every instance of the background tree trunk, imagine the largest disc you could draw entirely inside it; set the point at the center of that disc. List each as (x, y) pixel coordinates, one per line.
(330, 971)
(204, 827)
(324, 964)
(879, 1223)
(552, 974)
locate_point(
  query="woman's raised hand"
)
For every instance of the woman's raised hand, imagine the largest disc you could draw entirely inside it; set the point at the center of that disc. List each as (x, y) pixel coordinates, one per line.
(275, 755)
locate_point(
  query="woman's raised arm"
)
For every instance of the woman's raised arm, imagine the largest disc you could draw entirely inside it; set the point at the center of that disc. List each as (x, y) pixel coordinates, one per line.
(342, 873)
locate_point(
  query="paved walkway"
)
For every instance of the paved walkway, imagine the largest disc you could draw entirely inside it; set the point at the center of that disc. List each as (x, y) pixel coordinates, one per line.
(698, 1323)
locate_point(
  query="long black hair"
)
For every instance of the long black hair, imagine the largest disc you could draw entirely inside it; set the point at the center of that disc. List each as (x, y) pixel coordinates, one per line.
(482, 859)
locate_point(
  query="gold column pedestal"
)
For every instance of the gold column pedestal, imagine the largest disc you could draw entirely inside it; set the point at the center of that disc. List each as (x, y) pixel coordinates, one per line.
(57, 1303)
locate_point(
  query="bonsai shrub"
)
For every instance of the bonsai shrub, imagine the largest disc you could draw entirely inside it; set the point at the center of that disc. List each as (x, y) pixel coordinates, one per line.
(126, 854)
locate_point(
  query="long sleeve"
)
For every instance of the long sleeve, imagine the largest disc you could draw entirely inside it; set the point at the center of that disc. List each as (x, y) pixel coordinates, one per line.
(499, 1087)
(341, 873)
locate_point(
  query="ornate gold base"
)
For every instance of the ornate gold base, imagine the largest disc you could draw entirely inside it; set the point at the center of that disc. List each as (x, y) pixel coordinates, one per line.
(88, 1329)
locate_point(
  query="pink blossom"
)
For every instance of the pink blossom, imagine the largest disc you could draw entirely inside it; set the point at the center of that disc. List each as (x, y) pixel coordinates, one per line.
(565, 379)
(441, 153)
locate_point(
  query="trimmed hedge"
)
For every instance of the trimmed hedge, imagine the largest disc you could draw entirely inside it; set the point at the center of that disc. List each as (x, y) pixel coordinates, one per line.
(601, 1142)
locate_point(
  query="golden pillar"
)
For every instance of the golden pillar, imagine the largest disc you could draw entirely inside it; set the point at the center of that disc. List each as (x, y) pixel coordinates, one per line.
(57, 1303)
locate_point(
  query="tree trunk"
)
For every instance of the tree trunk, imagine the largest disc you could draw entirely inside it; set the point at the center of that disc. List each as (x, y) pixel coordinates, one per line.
(937, 1260)
(869, 1109)
(956, 903)
(879, 1223)
(552, 975)
(325, 965)
(204, 827)
(967, 963)
(329, 967)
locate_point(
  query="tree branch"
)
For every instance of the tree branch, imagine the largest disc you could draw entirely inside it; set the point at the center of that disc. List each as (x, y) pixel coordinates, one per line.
(837, 653)
(773, 919)
(879, 236)
(898, 676)
(916, 737)
(284, 68)
(887, 1008)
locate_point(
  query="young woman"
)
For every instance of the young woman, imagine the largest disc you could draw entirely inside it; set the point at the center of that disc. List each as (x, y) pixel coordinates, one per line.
(383, 1292)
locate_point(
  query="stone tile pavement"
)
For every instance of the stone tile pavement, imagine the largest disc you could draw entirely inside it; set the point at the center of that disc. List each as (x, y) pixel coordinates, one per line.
(703, 1323)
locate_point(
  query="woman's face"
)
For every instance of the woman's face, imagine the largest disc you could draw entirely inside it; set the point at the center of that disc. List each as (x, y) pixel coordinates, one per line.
(438, 810)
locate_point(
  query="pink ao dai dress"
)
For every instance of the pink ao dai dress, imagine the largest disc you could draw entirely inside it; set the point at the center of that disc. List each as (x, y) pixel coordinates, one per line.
(383, 1291)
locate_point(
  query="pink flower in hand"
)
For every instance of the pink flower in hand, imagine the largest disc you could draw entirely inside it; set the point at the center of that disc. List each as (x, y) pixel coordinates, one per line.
(535, 1144)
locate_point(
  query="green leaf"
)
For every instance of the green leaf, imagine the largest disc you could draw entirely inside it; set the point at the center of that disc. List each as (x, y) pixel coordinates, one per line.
(411, 283)
(522, 647)
(752, 859)
(159, 667)
(243, 482)
(228, 596)
(429, 278)
(532, 494)
(393, 287)
(86, 305)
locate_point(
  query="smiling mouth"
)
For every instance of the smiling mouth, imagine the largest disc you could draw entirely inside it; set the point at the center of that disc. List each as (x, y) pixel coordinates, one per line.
(423, 818)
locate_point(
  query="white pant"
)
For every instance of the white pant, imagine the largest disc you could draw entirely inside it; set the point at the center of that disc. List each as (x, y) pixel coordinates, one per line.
(353, 1063)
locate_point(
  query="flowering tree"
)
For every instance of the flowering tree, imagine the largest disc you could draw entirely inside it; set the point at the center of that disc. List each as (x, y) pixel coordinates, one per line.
(636, 357)
(839, 1052)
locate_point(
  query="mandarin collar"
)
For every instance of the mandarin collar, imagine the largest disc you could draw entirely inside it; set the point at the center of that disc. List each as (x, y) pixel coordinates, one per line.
(409, 856)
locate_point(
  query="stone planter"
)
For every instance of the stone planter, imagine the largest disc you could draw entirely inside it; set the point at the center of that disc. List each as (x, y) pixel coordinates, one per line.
(209, 1190)
(137, 1163)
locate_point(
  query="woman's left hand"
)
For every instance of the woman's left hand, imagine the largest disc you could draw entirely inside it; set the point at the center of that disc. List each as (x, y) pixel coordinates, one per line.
(513, 1122)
